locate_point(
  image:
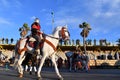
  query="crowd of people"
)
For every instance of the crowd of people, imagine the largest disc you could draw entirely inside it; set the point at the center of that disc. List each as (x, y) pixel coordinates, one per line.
(76, 60)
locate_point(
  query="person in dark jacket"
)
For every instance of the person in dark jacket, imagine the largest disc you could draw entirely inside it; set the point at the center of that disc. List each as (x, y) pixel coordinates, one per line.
(36, 32)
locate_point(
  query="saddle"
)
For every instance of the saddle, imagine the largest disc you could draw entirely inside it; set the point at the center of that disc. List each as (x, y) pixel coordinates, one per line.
(31, 42)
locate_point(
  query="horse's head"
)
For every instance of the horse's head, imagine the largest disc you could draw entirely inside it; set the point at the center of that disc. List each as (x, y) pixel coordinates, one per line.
(64, 33)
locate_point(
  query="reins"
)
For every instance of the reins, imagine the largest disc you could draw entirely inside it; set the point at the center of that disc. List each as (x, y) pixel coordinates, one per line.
(52, 36)
(50, 43)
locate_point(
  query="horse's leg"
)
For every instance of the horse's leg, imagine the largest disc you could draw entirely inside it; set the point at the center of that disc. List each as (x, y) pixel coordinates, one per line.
(35, 69)
(20, 68)
(56, 68)
(75, 66)
(31, 67)
(40, 67)
(26, 68)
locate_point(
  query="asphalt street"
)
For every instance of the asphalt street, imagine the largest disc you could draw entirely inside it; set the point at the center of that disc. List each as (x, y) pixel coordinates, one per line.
(49, 74)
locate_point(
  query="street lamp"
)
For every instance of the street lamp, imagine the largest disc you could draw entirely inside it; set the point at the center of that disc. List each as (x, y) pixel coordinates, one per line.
(85, 31)
(52, 13)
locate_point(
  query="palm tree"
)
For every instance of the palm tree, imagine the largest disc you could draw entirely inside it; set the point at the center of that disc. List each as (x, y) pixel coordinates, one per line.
(72, 42)
(24, 30)
(69, 42)
(3, 40)
(77, 42)
(86, 27)
(6, 40)
(65, 43)
(11, 40)
(0, 41)
(89, 42)
(118, 42)
(94, 42)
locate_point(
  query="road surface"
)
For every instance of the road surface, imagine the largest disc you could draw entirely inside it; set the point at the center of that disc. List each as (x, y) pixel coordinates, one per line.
(49, 74)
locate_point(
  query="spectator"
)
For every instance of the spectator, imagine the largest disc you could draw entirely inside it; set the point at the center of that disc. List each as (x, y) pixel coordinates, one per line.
(85, 62)
(78, 61)
(7, 63)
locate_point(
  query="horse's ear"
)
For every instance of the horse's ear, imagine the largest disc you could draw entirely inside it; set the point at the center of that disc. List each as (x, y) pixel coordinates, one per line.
(66, 26)
(58, 27)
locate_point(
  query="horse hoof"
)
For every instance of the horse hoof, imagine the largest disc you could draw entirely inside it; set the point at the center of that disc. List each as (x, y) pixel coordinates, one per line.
(30, 73)
(61, 78)
(39, 78)
(20, 75)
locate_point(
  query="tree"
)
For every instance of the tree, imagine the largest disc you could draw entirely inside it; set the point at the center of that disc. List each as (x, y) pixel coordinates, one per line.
(65, 43)
(69, 42)
(6, 40)
(24, 30)
(11, 40)
(3, 40)
(118, 42)
(85, 31)
(77, 42)
(72, 42)
(94, 42)
(89, 42)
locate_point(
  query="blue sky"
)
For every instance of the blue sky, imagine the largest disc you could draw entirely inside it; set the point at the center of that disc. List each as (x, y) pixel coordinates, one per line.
(102, 15)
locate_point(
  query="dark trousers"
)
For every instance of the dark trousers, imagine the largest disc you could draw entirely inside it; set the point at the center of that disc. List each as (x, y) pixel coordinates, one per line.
(37, 42)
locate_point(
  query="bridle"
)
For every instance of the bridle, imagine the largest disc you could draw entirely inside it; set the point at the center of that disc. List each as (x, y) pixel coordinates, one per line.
(62, 33)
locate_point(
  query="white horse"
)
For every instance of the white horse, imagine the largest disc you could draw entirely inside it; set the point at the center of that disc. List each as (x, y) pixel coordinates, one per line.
(49, 49)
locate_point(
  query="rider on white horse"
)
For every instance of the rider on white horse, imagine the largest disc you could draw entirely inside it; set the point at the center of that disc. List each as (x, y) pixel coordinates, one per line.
(48, 49)
(36, 34)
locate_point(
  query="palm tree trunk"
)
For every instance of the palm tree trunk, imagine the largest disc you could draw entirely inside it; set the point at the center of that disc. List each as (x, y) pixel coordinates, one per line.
(84, 44)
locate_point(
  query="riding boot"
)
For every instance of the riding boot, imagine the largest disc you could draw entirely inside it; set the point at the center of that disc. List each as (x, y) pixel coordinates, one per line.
(41, 53)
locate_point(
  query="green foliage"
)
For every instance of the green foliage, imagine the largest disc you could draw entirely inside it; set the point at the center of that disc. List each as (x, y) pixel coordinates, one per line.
(84, 24)
(25, 25)
(6, 40)
(81, 26)
(24, 30)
